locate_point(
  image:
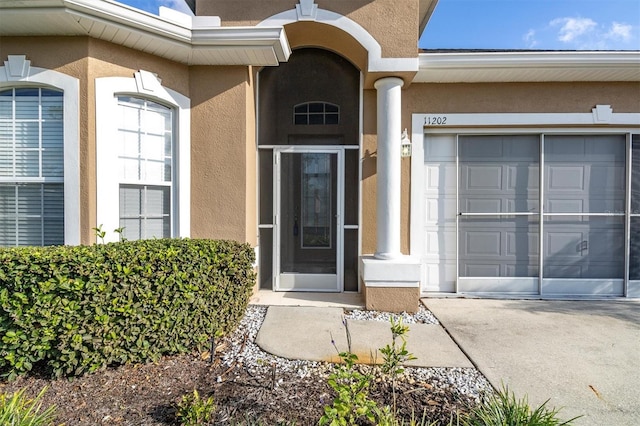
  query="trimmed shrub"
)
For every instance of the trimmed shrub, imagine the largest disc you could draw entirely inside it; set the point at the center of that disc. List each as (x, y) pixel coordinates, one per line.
(78, 309)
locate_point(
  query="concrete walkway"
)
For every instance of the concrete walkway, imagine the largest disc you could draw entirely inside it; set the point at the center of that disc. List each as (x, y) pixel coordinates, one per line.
(583, 356)
(307, 332)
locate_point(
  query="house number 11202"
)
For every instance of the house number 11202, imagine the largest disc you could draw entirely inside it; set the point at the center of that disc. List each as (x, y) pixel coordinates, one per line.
(435, 121)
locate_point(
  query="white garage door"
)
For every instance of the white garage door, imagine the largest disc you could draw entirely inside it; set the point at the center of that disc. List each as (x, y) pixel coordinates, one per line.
(439, 232)
(485, 212)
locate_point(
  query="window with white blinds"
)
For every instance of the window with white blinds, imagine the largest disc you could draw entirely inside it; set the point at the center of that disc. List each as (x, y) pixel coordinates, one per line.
(145, 162)
(31, 167)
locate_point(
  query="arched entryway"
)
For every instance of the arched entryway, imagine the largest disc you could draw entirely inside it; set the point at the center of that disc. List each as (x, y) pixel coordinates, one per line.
(309, 140)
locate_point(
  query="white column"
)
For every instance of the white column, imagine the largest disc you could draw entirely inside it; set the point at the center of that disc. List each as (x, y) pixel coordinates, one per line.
(388, 167)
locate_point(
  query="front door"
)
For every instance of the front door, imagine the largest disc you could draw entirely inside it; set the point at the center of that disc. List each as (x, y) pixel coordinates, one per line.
(308, 184)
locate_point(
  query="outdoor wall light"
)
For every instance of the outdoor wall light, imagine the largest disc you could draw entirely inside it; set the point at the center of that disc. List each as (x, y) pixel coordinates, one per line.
(405, 144)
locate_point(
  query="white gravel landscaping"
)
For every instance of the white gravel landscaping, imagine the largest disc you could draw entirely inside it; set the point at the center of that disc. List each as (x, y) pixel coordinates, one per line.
(242, 349)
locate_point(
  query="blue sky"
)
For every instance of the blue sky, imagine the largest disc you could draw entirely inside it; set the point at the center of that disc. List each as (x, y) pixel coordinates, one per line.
(515, 24)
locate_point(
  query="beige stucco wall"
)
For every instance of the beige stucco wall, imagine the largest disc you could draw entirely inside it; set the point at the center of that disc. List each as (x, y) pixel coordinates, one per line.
(391, 299)
(519, 97)
(394, 27)
(223, 169)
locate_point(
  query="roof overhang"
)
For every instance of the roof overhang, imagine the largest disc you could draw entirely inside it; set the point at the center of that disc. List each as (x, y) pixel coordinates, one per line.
(426, 10)
(530, 66)
(191, 40)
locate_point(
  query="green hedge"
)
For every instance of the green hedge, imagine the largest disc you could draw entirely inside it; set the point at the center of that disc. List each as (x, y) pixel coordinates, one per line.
(74, 310)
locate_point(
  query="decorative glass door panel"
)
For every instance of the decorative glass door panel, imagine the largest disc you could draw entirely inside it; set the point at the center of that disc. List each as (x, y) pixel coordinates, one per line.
(308, 246)
(317, 176)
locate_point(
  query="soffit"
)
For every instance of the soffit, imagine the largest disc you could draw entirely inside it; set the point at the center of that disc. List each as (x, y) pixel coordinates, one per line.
(191, 41)
(530, 66)
(426, 10)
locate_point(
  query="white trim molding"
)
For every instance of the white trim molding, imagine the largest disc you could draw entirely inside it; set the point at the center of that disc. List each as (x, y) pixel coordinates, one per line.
(192, 40)
(376, 63)
(146, 85)
(531, 66)
(18, 72)
(599, 115)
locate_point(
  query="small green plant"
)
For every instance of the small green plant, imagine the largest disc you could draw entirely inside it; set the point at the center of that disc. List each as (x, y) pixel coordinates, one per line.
(100, 233)
(352, 391)
(503, 408)
(18, 410)
(394, 356)
(120, 232)
(193, 410)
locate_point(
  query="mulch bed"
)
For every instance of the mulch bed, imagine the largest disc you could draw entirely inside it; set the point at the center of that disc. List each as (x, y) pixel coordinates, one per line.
(148, 394)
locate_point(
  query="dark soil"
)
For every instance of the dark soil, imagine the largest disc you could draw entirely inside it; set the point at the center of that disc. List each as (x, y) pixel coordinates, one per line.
(148, 395)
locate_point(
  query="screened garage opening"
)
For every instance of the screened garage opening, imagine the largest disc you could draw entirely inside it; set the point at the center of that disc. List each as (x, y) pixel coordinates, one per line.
(532, 214)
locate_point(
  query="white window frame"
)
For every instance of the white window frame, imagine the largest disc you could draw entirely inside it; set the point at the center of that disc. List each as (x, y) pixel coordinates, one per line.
(143, 85)
(17, 72)
(601, 120)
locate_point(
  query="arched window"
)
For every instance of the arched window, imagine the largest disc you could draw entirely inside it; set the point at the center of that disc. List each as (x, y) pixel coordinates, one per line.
(145, 163)
(143, 152)
(39, 151)
(316, 113)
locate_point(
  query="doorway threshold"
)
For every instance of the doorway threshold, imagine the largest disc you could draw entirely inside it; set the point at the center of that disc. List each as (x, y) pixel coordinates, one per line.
(323, 300)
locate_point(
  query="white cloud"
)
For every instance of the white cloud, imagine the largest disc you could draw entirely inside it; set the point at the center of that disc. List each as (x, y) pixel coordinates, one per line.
(178, 5)
(573, 28)
(587, 34)
(530, 39)
(619, 31)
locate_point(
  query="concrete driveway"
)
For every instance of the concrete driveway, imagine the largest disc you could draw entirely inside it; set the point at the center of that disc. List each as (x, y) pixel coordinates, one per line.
(582, 355)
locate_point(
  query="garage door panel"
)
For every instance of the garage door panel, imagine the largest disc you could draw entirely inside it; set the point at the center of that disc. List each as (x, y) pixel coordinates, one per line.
(522, 147)
(605, 148)
(440, 243)
(480, 243)
(563, 178)
(523, 243)
(592, 270)
(441, 211)
(520, 270)
(564, 205)
(441, 178)
(523, 178)
(523, 206)
(606, 178)
(480, 270)
(481, 178)
(482, 205)
(566, 244)
(440, 276)
(565, 147)
(591, 248)
(563, 270)
(481, 148)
